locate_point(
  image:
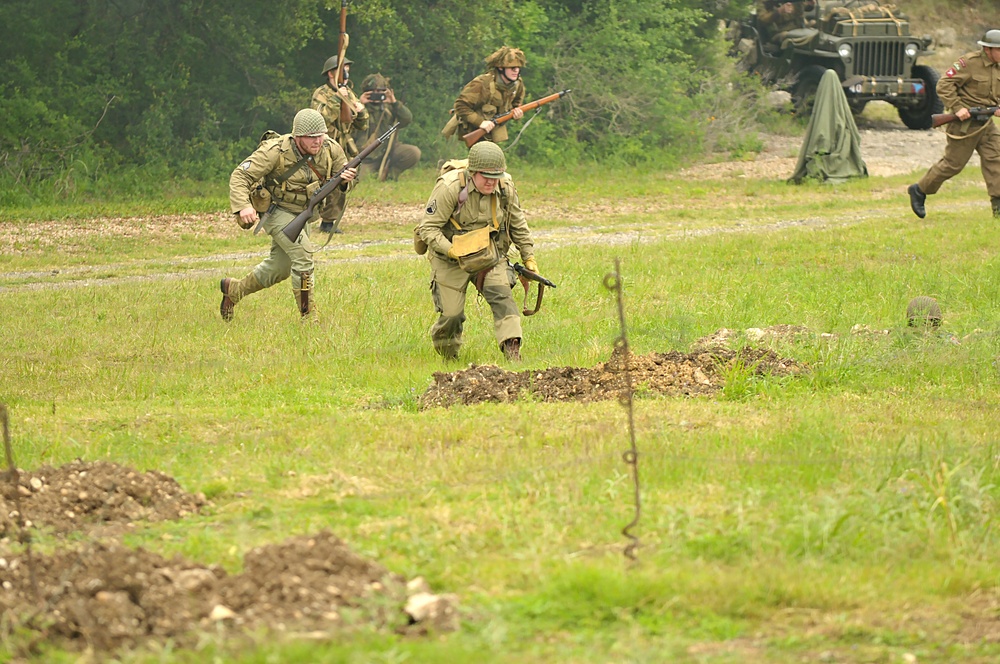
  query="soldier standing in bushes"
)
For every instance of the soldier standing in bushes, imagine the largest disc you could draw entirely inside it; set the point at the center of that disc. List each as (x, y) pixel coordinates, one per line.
(480, 198)
(387, 161)
(288, 170)
(327, 100)
(973, 81)
(494, 93)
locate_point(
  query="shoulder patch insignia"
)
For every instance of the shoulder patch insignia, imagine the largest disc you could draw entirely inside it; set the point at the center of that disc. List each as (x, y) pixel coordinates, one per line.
(950, 73)
(961, 63)
(432, 206)
(245, 165)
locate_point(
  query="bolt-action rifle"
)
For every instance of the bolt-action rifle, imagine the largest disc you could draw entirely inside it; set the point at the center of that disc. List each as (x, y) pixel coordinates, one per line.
(526, 275)
(978, 113)
(475, 135)
(293, 228)
(346, 112)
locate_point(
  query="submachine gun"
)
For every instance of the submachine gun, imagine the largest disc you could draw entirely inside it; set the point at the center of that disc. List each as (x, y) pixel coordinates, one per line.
(526, 275)
(293, 228)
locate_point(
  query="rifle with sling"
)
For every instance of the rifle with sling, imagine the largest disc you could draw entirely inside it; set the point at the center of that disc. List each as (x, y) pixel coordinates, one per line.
(293, 228)
(977, 113)
(475, 135)
(346, 113)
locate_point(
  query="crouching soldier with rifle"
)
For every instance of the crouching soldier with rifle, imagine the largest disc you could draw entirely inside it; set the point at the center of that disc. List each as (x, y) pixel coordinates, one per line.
(472, 218)
(288, 170)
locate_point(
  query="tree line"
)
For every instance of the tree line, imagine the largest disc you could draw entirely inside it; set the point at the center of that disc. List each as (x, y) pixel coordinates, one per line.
(94, 88)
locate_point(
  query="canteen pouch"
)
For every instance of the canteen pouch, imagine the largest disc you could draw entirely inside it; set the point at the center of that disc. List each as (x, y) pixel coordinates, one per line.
(260, 197)
(476, 251)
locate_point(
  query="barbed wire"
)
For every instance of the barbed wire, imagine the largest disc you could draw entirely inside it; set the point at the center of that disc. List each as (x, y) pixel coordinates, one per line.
(613, 282)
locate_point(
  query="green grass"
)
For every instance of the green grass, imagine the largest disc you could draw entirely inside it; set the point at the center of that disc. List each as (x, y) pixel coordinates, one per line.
(848, 513)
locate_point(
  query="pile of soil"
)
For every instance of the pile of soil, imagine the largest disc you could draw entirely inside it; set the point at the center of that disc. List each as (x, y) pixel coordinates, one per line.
(106, 596)
(82, 494)
(676, 374)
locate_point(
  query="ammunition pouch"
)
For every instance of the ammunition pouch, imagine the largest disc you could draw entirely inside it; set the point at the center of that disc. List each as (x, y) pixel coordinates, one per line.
(475, 250)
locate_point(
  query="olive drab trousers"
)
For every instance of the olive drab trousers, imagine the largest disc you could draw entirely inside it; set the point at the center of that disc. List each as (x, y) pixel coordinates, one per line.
(448, 289)
(957, 153)
(287, 258)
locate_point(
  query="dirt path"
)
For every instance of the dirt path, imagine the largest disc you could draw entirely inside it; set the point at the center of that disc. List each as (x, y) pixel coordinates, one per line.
(888, 148)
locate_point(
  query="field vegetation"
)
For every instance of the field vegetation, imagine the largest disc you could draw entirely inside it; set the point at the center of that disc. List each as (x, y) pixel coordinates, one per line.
(847, 514)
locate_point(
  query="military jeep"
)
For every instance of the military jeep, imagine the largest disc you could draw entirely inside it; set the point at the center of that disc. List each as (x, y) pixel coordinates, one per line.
(868, 44)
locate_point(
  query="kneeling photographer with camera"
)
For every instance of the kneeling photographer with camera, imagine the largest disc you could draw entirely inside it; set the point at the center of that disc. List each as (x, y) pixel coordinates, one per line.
(391, 159)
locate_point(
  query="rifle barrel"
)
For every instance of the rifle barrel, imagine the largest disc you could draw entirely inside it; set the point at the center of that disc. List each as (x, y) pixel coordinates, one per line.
(293, 228)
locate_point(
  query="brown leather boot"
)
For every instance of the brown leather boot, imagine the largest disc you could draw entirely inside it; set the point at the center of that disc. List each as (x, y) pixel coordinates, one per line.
(512, 349)
(233, 291)
(995, 202)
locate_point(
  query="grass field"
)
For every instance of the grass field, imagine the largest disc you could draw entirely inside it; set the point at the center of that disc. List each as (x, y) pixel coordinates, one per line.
(846, 515)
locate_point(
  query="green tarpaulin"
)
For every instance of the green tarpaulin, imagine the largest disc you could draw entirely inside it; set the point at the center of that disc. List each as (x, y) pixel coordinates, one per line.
(831, 150)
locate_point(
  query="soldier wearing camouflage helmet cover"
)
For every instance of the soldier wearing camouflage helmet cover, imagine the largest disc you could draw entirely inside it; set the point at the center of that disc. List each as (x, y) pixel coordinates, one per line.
(479, 196)
(392, 157)
(973, 81)
(291, 168)
(488, 95)
(327, 100)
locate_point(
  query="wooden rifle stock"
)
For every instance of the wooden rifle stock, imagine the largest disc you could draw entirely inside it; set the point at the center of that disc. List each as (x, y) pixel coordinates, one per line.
(293, 228)
(346, 113)
(474, 136)
(980, 113)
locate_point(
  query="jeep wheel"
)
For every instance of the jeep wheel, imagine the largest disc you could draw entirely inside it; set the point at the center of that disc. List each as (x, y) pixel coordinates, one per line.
(919, 117)
(804, 91)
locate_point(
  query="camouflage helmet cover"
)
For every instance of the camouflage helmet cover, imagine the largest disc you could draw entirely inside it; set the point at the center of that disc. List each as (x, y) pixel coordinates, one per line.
(923, 310)
(487, 159)
(375, 81)
(506, 56)
(991, 39)
(308, 122)
(331, 63)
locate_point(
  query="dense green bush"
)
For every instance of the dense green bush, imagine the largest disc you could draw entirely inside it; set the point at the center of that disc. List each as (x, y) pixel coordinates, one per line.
(93, 88)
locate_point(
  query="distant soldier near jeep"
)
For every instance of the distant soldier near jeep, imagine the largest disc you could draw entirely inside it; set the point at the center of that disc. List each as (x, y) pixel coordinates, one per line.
(472, 218)
(488, 95)
(327, 99)
(776, 17)
(280, 177)
(384, 110)
(970, 89)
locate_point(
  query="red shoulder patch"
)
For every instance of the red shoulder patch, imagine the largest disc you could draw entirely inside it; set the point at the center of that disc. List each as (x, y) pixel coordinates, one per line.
(961, 63)
(950, 73)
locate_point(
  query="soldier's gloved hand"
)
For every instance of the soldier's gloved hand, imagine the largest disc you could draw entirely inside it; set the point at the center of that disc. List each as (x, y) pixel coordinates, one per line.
(530, 264)
(451, 252)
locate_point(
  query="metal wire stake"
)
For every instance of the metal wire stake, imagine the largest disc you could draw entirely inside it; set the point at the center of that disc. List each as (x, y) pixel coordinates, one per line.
(613, 282)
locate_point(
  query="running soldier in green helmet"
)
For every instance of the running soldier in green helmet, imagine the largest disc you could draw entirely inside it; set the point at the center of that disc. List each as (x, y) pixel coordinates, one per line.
(289, 168)
(472, 218)
(327, 100)
(488, 95)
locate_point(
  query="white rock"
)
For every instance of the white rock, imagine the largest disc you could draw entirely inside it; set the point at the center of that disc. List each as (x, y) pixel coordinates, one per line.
(220, 612)
(417, 585)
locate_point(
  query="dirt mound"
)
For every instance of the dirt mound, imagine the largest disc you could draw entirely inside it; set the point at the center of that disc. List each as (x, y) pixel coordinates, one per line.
(82, 494)
(674, 373)
(106, 596)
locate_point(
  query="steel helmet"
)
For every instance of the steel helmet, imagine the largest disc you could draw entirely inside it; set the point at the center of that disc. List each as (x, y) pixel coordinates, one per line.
(991, 39)
(331, 63)
(487, 159)
(923, 310)
(375, 81)
(308, 122)
(506, 56)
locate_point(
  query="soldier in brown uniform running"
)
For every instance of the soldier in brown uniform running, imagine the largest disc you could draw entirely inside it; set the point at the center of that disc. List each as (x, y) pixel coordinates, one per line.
(326, 99)
(290, 168)
(973, 81)
(476, 202)
(488, 95)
